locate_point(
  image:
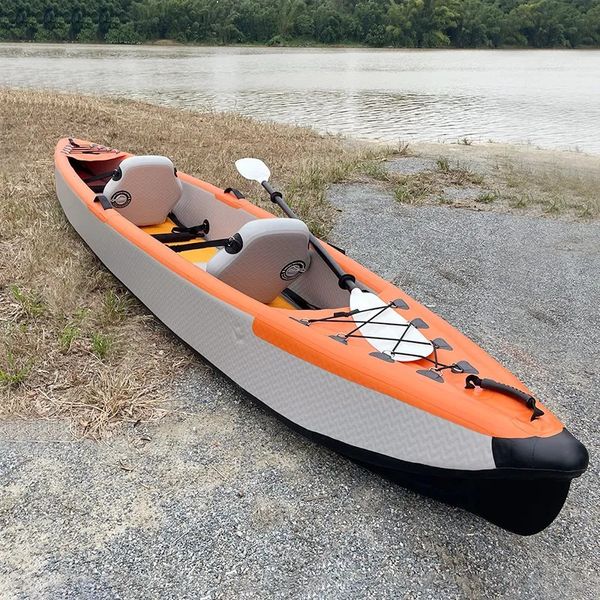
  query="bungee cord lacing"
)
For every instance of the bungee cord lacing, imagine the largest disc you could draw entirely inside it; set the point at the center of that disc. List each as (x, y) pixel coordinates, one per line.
(342, 317)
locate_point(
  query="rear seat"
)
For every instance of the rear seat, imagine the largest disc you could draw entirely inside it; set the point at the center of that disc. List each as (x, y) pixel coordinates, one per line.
(144, 189)
(268, 256)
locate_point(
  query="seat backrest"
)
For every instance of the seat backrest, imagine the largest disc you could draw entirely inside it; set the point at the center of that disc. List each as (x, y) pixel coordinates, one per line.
(144, 189)
(274, 252)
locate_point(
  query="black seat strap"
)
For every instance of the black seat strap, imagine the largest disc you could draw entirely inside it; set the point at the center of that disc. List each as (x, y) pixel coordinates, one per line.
(197, 230)
(234, 192)
(99, 176)
(104, 201)
(181, 233)
(175, 220)
(232, 245)
(170, 238)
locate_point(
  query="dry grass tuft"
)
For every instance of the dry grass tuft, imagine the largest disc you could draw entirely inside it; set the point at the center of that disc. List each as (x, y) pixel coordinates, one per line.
(429, 184)
(568, 186)
(517, 177)
(73, 342)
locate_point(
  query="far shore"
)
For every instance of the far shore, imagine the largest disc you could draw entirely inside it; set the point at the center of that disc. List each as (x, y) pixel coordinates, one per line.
(294, 44)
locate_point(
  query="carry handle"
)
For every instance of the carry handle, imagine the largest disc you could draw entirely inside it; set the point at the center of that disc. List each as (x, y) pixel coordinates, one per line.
(502, 388)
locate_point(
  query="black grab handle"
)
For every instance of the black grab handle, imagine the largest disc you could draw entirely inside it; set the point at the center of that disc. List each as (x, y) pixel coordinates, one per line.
(502, 388)
(104, 201)
(234, 192)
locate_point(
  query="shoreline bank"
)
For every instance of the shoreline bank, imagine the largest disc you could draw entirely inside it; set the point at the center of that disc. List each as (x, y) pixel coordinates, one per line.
(297, 44)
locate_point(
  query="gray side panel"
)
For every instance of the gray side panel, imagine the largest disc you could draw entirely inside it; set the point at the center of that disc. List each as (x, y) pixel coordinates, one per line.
(197, 204)
(314, 399)
(322, 402)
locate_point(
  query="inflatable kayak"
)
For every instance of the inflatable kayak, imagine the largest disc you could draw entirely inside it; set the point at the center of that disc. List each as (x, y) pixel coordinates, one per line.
(334, 350)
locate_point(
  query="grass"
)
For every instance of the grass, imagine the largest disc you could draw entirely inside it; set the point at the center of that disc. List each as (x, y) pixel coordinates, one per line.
(29, 302)
(498, 177)
(553, 183)
(415, 189)
(13, 374)
(443, 164)
(486, 198)
(102, 344)
(429, 185)
(73, 342)
(67, 338)
(565, 184)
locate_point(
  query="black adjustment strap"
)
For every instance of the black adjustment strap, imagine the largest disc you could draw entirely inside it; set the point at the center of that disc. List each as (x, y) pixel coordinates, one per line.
(508, 390)
(200, 245)
(234, 192)
(196, 230)
(104, 201)
(171, 238)
(175, 220)
(180, 233)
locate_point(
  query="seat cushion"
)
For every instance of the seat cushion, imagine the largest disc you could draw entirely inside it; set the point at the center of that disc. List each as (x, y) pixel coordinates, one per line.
(274, 253)
(144, 189)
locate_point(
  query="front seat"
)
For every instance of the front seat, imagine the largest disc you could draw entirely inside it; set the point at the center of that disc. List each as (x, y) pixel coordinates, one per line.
(144, 189)
(268, 256)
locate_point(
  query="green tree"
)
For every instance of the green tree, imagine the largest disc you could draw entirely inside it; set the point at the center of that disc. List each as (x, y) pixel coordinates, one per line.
(412, 23)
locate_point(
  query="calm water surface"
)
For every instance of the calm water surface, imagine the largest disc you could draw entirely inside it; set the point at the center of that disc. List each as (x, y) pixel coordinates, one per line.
(550, 98)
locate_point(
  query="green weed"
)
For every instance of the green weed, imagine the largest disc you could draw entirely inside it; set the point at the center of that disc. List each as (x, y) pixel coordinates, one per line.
(101, 345)
(29, 302)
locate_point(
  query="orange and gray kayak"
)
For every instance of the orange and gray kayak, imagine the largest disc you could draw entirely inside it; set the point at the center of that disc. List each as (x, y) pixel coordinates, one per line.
(340, 354)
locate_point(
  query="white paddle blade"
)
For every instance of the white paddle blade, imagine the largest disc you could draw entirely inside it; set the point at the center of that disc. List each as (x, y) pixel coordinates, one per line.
(386, 330)
(253, 169)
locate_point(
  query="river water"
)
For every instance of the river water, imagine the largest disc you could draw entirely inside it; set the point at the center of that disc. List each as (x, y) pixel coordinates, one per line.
(548, 98)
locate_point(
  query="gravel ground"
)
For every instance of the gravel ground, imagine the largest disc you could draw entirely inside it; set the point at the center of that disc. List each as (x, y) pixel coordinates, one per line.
(222, 500)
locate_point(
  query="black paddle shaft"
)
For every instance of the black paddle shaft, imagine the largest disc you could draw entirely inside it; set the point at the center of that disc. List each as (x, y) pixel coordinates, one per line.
(345, 280)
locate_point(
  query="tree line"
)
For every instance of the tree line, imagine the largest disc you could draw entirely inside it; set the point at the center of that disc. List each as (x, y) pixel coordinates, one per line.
(396, 23)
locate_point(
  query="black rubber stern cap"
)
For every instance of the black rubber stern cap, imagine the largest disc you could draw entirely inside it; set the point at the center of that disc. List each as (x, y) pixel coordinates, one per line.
(561, 454)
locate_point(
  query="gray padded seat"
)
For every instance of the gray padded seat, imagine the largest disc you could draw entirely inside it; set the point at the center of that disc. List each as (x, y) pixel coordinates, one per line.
(274, 253)
(144, 190)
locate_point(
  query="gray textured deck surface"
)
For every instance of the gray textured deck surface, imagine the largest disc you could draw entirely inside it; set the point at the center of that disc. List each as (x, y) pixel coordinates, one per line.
(225, 501)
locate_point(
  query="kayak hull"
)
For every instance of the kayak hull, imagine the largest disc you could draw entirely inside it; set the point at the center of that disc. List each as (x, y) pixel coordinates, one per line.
(519, 484)
(522, 501)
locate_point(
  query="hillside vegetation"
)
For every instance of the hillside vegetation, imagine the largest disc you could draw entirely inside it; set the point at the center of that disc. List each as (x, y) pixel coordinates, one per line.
(398, 23)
